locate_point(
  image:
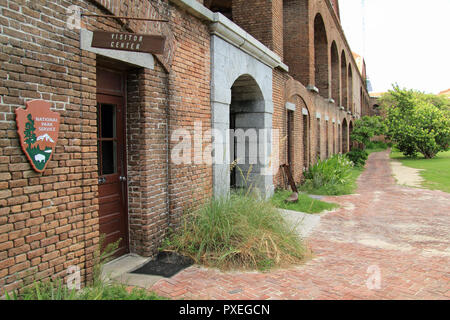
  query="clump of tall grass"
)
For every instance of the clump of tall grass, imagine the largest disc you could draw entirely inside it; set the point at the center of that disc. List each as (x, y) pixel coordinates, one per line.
(238, 232)
(330, 176)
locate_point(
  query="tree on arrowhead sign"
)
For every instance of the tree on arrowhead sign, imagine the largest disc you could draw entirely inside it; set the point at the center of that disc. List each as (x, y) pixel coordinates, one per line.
(38, 129)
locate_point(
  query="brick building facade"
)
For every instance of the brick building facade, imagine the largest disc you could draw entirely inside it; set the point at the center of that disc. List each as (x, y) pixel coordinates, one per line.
(285, 66)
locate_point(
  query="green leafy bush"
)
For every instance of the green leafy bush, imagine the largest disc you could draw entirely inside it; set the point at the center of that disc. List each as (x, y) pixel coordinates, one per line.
(366, 128)
(237, 232)
(416, 122)
(358, 157)
(329, 174)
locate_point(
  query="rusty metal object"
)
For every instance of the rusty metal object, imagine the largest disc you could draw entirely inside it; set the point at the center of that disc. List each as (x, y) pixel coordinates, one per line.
(122, 17)
(294, 196)
(288, 172)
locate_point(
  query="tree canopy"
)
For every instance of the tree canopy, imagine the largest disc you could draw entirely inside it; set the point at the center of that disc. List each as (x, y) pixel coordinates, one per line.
(417, 122)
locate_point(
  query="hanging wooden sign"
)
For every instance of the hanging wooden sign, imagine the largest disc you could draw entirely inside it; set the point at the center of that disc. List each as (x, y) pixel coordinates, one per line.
(38, 129)
(128, 42)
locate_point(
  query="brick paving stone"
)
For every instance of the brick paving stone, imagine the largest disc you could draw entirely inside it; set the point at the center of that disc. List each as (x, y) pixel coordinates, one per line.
(399, 232)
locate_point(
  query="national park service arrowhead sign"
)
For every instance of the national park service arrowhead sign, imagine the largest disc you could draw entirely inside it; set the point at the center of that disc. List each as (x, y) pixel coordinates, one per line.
(38, 129)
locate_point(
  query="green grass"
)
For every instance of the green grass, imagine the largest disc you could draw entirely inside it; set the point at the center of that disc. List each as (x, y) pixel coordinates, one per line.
(305, 203)
(98, 288)
(57, 290)
(369, 151)
(240, 232)
(436, 171)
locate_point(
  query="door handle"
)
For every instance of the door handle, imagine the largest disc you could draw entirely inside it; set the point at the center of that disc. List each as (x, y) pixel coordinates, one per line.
(123, 178)
(101, 180)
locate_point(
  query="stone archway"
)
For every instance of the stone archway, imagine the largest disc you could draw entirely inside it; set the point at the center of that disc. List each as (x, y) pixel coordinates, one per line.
(240, 85)
(246, 120)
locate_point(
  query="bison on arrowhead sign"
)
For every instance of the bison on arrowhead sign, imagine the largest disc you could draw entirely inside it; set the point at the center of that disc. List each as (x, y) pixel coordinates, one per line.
(38, 129)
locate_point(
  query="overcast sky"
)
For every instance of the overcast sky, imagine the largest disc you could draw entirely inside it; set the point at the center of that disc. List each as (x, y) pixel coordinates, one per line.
(407, 41)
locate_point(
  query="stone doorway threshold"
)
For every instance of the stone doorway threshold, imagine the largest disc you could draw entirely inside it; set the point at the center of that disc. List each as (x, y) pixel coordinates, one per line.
(120, 269)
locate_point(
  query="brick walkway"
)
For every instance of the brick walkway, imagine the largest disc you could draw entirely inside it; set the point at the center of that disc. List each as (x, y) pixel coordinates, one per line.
(400, 233)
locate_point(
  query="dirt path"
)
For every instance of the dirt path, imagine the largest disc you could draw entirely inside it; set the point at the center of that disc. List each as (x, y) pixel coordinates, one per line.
(405, 175)
(386, 242)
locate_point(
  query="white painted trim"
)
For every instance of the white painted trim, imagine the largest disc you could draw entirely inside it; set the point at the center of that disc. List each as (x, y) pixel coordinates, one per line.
(318, 116)
(334, 120)
(327, 118)
(290, 106)
(140, 59)
(305, 111)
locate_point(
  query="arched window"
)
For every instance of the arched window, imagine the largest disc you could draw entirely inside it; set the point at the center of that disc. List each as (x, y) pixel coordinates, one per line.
(335, 92)
(344, 136)
(344, 99)
(321, 56)
(350, 89)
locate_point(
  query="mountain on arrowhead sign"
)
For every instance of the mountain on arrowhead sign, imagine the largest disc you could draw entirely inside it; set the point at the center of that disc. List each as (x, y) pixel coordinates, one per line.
(38, 129)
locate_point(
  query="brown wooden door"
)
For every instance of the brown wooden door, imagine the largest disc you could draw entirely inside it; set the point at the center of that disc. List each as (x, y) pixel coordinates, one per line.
(113, 213)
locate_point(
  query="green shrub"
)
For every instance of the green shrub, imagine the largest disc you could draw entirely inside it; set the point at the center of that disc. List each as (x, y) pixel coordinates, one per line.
(330, 172)
(237, 232)
(366, 128)
(358, 157)
(416, 122)
(377, 145)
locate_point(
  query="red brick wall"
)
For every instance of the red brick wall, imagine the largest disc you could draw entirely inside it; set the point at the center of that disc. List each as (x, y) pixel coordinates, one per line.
(296, 39)
(189, 101)
(147, 159)
(47, 221)
(263, 19)
(335, 4)
(279, 122)
(50, 221)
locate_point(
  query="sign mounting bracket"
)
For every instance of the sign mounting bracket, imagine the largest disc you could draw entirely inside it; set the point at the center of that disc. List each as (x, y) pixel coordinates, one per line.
(122, 17)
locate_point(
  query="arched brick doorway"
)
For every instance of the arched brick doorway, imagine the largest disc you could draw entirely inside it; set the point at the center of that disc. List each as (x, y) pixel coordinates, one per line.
(321, 56)
(344, 136)
(335, 92)
(344, 100)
